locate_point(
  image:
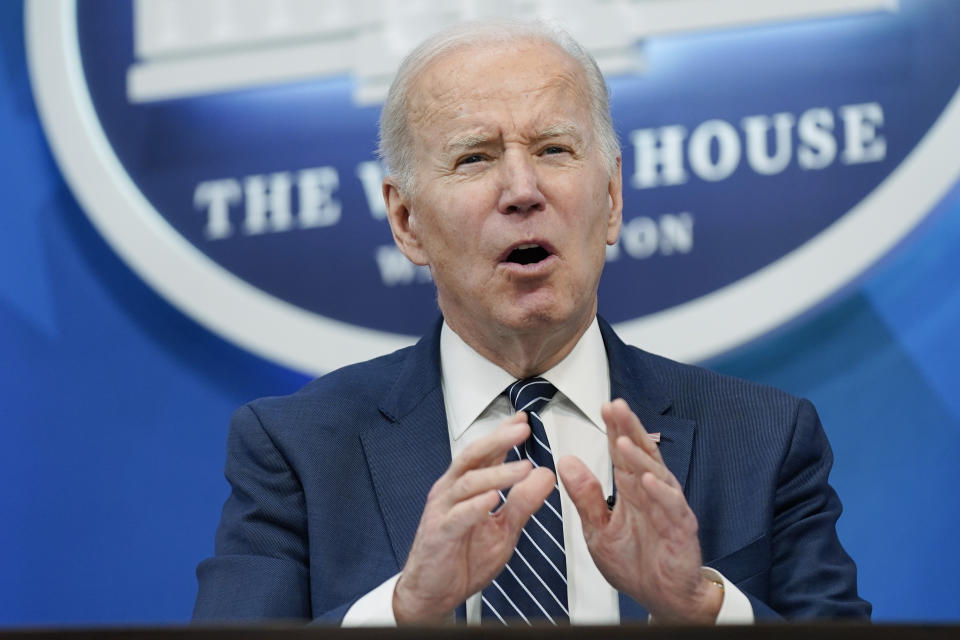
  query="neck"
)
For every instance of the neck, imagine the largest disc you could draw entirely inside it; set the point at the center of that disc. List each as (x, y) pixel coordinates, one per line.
(527, 352)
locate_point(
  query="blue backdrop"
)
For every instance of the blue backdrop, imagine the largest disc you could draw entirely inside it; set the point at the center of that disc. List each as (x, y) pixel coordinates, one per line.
(115, 407)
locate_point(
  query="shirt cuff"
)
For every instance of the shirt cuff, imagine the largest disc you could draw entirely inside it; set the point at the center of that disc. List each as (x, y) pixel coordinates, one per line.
(736, 607)
(375, 609)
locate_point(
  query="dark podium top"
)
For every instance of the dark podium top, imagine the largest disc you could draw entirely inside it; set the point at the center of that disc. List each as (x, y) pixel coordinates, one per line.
(779, 631)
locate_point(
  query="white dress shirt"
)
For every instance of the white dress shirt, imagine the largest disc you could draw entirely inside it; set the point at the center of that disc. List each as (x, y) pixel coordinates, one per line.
(475, 405)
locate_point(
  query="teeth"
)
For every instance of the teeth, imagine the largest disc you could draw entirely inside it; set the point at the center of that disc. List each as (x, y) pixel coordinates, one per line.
(527, 246)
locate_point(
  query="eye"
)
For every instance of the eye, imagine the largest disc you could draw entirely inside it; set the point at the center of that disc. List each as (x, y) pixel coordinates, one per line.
(554, 149)
(473, 158)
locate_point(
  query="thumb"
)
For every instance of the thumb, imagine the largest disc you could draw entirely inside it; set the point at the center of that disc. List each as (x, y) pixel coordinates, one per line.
(585, 491)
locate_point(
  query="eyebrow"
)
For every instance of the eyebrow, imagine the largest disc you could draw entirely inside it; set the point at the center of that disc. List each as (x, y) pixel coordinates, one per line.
(474, 140)
(470, 141)
(559, 130)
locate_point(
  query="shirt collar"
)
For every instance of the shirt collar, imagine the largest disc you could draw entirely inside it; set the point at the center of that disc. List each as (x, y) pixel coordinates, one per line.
(583, 377)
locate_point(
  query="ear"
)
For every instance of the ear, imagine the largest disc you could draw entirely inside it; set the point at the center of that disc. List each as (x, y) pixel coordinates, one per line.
(403, 222)
(615, 201)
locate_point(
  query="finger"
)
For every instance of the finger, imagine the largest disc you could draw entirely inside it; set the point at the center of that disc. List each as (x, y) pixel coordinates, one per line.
(468, 513)
(621, 421)
(630, 490)
(670, 502)
(634, 459)
(586, 493)
(526, 497)
(616, 427)
(625, 422)
(475, 481)
(490, 449)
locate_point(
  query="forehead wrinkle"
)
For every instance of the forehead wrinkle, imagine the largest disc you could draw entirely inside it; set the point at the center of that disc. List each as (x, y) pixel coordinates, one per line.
(441, 93)
(475, 140)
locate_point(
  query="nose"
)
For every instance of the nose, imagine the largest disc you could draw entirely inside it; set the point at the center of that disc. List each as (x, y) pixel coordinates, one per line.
(520, 185)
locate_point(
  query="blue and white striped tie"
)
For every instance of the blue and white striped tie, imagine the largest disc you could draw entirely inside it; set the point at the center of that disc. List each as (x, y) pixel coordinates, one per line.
(533, 585)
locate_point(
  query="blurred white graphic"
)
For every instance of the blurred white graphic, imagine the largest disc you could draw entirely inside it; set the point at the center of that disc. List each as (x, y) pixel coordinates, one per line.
(187, 48)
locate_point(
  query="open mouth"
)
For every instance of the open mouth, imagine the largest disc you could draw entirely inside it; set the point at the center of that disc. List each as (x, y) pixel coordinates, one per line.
(528, 254)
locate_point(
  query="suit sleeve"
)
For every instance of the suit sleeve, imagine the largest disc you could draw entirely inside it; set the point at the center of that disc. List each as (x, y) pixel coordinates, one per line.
(812, 577)
(260, 568)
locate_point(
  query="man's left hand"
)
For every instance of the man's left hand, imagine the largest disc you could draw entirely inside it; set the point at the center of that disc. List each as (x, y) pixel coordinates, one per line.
(647, 546)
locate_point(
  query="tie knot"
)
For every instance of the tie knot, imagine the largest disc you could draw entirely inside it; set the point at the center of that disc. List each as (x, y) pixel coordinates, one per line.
(530, 395)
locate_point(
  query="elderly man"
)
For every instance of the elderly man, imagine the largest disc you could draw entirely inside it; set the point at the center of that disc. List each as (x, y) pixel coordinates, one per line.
(468, 476)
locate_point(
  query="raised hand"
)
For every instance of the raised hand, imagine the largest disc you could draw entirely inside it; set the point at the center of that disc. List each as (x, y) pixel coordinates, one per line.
(459, 546)
(647, 546)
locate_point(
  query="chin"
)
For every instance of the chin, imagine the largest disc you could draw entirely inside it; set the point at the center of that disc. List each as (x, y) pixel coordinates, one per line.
(536, 318)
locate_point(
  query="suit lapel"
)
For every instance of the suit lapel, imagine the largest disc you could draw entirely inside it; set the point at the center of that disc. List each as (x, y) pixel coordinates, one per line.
(410, 449)
(632, 379)
(676, 436)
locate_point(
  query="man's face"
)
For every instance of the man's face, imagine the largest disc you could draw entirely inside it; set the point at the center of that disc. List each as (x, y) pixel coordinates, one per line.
(513, 203)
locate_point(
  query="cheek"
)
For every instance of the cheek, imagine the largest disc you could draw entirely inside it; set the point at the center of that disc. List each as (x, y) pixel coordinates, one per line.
(593, 232)
(451, 242)
(467, 219)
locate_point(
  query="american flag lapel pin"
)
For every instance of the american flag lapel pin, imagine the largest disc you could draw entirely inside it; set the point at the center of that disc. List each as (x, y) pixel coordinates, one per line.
(654, 437)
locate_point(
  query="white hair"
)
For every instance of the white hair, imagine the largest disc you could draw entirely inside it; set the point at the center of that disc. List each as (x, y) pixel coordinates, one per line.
(395, 140)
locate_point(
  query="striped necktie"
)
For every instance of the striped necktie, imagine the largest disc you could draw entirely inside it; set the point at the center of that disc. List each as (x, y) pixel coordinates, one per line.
(533, 585)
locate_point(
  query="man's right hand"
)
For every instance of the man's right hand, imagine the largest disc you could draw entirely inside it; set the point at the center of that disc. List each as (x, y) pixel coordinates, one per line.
(460, 547)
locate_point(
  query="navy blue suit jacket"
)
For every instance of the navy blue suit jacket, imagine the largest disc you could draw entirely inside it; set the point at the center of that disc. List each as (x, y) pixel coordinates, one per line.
(328, 485)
